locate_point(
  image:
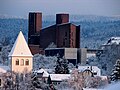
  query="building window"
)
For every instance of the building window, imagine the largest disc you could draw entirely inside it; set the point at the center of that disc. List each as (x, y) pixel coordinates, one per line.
(27, 62)
(22, 62)
(65, 34)
(17, 62)
(63, 43)
(0, 82)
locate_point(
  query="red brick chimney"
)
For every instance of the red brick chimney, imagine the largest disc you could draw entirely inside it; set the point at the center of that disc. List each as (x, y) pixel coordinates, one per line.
(35, 22)
(62, 18)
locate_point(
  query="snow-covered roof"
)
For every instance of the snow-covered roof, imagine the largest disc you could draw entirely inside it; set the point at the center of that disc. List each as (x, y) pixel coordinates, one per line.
(45, 73)
(113, 40)
(50, 71)
(4, 69)
(104, 77)
(94, 69)
(91, 55)
(54, 77)
(20, 47)
(59, 77)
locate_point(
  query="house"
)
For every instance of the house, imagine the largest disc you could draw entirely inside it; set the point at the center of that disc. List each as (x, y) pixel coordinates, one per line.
(113, 40)
(94, 69)
(20, 56)
(43, 74)
(57, 78)
(110, 42)
(87, 73)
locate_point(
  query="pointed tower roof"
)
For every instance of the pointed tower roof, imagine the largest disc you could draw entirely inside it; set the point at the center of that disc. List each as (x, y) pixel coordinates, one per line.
(20, 47)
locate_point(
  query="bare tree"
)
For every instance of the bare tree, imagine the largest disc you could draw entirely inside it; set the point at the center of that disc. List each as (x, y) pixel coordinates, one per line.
(95, 82)
(76, 80)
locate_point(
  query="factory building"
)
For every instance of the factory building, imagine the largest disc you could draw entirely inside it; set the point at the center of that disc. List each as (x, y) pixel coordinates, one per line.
(63, 34)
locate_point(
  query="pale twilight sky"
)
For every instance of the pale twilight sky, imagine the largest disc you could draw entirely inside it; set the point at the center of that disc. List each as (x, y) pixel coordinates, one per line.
(51, 7)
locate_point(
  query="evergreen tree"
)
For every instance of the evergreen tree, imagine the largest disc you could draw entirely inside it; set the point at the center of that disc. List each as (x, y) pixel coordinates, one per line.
(116, 72)
(61, 66)
(49, 80)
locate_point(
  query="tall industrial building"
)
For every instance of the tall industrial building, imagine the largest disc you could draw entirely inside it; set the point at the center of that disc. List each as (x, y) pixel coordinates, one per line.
(63, 34)
(35, 25)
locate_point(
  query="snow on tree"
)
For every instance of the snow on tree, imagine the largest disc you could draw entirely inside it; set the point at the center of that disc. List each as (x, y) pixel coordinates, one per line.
(76, 80)
(9, 81)
(61, 66)
(115, 76)
(93, 82)
(5, 41)
(17, 81)
(4, 54)
(39, 83)
(41, 61)
(64, 85)
(24, 81)
(70, 65)
(92, 61)
(106, 58)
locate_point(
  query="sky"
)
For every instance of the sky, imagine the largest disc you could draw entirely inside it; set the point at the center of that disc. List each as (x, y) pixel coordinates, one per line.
(21, 8)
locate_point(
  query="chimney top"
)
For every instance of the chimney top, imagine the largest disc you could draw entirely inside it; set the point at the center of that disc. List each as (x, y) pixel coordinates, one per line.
(62, 18)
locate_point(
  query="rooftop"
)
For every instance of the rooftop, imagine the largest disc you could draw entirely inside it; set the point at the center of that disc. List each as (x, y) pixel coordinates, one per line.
(4, 69)
(20, 47)
(59, 77)
(113, 40)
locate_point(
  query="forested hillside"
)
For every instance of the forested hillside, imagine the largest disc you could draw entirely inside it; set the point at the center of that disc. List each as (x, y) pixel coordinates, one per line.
(9, 28)
(95, 30)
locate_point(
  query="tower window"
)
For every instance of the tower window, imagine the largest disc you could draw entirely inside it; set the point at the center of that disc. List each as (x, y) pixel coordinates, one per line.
(63, 42)
(27, 62)
(0, 82)
(22, 62)
(17, 62)
(65, 34)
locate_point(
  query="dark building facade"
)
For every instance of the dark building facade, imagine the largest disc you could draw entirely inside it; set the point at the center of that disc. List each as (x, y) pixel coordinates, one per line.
(67, 36)
(62, 34)
(35, 25)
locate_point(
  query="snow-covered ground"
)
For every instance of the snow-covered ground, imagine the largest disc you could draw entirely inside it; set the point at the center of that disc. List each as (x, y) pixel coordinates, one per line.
(115, 86)
(91, 89)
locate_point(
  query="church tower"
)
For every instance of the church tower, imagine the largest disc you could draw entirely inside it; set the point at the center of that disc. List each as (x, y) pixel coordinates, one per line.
(20, 56)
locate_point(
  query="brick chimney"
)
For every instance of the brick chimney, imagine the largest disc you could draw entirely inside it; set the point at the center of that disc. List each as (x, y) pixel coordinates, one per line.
(35, 22)
(62, 18)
